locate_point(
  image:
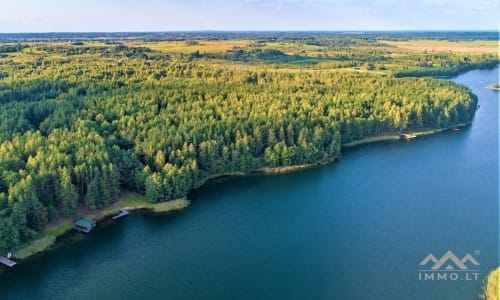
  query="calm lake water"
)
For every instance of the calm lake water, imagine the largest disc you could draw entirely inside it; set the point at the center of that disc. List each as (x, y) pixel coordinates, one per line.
(355, 229)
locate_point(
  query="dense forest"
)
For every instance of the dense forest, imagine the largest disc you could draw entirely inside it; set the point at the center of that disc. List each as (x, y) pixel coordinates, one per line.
(78, 123)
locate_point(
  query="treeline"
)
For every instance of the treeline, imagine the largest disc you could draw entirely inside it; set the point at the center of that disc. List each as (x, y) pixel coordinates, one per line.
(247, 55)
(9, 48)
(75, 131)
(110, 49)
(447, 71)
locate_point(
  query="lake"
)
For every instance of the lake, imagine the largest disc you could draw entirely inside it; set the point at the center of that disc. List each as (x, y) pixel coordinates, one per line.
(354, 229)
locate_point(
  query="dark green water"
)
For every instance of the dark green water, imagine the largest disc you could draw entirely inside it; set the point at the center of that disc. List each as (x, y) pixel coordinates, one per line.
(356, 229)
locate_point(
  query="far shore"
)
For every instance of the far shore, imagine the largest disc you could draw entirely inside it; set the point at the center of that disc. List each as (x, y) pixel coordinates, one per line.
(135, 201)
(494, 87)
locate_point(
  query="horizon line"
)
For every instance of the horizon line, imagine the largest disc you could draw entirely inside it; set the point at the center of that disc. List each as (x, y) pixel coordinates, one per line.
(258, 31)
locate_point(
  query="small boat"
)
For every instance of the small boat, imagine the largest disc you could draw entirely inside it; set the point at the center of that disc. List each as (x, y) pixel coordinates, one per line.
(455, 129)
(407, 137)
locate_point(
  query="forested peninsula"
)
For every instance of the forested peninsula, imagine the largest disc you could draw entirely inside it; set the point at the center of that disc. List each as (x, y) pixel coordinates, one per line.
(79, 122)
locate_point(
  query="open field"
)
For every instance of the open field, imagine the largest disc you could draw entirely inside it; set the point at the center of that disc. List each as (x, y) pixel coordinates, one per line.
(202, 46)
(441, 46)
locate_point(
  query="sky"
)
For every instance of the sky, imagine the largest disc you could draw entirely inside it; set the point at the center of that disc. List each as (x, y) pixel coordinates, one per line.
(188, 15)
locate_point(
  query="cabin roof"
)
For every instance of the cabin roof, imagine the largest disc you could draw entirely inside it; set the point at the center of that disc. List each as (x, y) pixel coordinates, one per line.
(84, 223)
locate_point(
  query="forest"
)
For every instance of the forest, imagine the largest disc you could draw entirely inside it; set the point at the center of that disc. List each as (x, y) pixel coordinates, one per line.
(82, 121)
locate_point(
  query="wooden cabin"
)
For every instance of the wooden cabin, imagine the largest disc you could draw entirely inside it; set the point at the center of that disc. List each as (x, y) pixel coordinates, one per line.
(84, 225)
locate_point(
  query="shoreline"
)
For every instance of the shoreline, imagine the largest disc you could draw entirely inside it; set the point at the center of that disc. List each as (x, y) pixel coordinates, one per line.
(130, 201)
(393, 137)
(133, 201)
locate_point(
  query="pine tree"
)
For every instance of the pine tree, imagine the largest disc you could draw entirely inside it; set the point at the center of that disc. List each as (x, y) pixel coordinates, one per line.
(66, 192)
(93, 196)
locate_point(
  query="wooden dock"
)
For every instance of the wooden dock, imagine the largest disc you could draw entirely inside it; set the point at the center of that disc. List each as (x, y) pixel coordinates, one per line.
(123, 213)
(9, 263)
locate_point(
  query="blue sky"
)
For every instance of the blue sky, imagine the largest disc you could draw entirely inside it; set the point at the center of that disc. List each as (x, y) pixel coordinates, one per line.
(173, 15)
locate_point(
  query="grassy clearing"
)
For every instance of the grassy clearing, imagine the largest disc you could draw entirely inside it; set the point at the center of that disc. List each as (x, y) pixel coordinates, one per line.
(58, 228)
(126, 199)
(131, 201)
(372, 139)
(171, 205)
(36, 246)
(477, 46)
(492, 286)
(134, 201)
